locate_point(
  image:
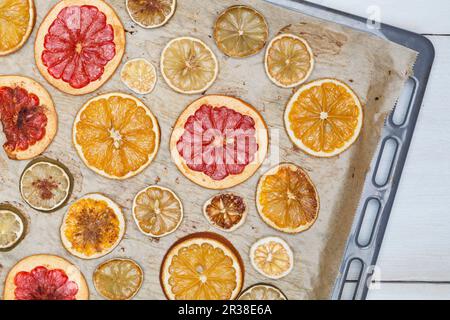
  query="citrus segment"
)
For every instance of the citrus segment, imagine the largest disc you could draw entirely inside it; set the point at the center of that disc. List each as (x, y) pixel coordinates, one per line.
(12, 228)
(151, 13)
(272, 257)
(262, 292)
(226, 211)
(139, 75)
(324, 118)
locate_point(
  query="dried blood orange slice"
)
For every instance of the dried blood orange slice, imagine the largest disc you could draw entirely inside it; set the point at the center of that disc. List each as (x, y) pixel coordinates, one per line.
(45, 277)
(28, 117)
(79, 45)
(202, 266)
(262, 292)
(219, 142)
(151, 13)
(226, 211)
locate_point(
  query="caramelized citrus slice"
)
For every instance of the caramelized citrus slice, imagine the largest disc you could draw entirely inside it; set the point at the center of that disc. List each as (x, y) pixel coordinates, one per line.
(188, 65)
(289, 60)
(226, 211)
(17, 19)
(118, 279)
(157, 211)
(262, 292)
(272, 257)
(92, 227)
(324, 118)
(202, 266)
(151, 13)
(287, 200)
(241, 31)
(116, 135)
(139, 75)
(12, 229)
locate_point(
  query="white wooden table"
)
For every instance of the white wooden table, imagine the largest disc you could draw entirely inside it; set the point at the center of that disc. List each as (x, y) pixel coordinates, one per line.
(415, 257)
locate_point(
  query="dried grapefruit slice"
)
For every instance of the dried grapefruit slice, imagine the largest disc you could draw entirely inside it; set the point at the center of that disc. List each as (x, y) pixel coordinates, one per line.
(12, 228)
(241, 31)
(17, 19)
(287, 200)
(151, 13)
(79, 45)
(226, 211)
(92, 227)
(289, 60)
(118, 279)
(324, 118)
(45, 277)
(116, 135)
(157, 211)
(219, 142)
(28, 117)
(202, 266)
(272, 257)
(188, 65)
(139, 75)
(262, 292)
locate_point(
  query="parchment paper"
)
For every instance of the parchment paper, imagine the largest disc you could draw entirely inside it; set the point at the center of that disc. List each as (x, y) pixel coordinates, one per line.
(375, 68)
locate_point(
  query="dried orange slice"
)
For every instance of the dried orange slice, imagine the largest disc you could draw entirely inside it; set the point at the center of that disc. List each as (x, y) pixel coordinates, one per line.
(289, 60)
(241, 31)
(92, 227)
(151, 13)
(272, 257)
(188, 65)
(157, 211)
(202, 266)
(263, 292)
(226, 211)
(116, 135)
(118, 279)
(287, 200)
(324, 118)
(17, 19)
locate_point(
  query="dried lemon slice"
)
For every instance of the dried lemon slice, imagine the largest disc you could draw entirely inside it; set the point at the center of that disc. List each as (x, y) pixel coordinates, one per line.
(241, 31)
(139, 75)
(226, 211)
(188, 65)
(289, 60)
(262, 292)
(151, 13)
(324, 118)
(12, 229)
(118, 279)
(157, 211)
(272, 257)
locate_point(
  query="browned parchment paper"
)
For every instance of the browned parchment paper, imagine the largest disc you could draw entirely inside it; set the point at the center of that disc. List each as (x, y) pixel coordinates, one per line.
(375, 68)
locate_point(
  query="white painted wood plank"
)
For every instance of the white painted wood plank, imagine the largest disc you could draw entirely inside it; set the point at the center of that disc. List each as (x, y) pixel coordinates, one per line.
(410, 291)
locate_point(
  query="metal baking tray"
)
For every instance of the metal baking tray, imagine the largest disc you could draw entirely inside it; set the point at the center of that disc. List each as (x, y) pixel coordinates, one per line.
(382, 180)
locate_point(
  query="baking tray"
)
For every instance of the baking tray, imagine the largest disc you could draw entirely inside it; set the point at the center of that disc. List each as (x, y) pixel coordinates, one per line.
(371, 219)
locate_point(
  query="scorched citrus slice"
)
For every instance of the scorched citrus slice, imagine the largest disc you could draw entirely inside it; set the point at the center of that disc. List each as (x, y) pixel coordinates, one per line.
(226, 211)
(92, 227)
(79, 45)
(139, 75)
(45, 277)
(261, 292)
(241, 31)
(287, 200)
(272, 257)
(12, 228)
(157, 211)
(116, 135)
(151, 13)
(28, 117)
(324, 118)
(219, 142)
(202, 266)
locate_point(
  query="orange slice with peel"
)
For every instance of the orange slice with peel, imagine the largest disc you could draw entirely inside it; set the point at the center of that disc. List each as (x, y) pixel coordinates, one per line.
(151, 13)
(262, 291)
(226, 211)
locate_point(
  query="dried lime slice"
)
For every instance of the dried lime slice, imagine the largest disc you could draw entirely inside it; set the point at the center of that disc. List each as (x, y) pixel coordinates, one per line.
(11, 229)
(139, 75)
(262, 291)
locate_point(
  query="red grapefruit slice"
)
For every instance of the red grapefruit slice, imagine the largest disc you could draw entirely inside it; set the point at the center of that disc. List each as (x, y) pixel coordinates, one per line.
(28, 117)
(79, 45)
(219, 141)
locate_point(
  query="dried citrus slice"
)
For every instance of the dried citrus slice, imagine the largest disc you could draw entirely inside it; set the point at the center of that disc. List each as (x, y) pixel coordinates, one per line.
(287, 200)
(28, 117)
(272, 257)
(45, 185)
(226, 211)
(12, 229)
(116, 135)
(202, 266)
(79, 45)
(45, 277)
(241, 31)
(324, 118)
(188, 65)
(289, 60)
(139, 75)
(17, 19)
(92, 227)
(151, 13)
(157, 211)
(118, 279)
(219, 142)
(263, 292)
